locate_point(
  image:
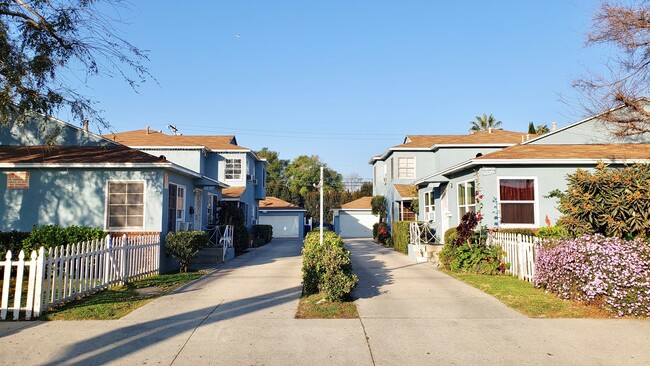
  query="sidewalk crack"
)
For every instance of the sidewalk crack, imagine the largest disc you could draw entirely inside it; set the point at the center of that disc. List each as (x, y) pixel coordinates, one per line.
(372, 358)
(194, 330)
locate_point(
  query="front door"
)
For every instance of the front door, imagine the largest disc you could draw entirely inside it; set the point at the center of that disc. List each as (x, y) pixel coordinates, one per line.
(198, 214)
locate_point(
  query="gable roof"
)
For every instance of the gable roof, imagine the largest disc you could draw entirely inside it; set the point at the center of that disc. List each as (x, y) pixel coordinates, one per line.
(362, 203)
(141, 138)
(500, 138)
(115, 154)
(273, 203)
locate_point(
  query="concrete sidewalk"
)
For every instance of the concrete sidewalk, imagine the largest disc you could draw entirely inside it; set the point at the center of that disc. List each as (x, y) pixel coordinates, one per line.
(243, 314)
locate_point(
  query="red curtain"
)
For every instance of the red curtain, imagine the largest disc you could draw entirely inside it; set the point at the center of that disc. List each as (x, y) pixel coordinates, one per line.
(517, 189)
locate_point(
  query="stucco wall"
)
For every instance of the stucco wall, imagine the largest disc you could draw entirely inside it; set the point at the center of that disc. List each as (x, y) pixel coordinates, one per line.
(35, 132)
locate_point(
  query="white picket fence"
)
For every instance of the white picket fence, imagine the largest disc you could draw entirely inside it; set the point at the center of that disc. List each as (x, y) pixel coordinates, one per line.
(68, 272)
(521, 251)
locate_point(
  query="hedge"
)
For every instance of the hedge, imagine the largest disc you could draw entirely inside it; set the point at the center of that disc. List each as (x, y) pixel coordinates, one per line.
(401, 235)
(51, 236)
(262, 234)
(11, 240)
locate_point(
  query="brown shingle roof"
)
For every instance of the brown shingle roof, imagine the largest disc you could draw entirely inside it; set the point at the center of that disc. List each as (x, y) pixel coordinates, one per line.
(358, 204)
(476, 138)
(582, 151)
(233, 192)
(155, 138)
(406, 190)
(271, 203)
(74, 155)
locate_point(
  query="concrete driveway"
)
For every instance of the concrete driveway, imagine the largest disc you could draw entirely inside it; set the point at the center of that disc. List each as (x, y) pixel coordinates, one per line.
(242, 314)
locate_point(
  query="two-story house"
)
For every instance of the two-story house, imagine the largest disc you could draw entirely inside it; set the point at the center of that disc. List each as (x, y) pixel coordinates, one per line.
(217, 159)
(419, 156)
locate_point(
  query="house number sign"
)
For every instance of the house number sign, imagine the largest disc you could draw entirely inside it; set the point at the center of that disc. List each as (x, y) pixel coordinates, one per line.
(17, 180)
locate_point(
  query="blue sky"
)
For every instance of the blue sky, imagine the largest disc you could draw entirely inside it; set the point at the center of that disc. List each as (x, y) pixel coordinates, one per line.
(347, 79)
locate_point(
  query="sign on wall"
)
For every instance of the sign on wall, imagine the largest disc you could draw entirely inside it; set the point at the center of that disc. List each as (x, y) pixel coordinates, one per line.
(17, 180)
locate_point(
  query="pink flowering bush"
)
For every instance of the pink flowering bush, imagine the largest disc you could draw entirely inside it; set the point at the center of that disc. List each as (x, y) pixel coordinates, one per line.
(598, 269)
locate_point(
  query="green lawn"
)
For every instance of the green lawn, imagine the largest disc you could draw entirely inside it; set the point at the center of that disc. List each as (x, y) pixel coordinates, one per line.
(118, 301)
(528, 300)
(315, 307)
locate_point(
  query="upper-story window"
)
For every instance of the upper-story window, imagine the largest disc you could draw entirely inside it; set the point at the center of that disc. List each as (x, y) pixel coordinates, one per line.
(233, 169)
(406, 168)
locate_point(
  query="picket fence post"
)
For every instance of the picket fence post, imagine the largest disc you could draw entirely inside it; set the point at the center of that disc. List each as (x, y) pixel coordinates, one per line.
(5, 286)
(41, 301)
(124, 261)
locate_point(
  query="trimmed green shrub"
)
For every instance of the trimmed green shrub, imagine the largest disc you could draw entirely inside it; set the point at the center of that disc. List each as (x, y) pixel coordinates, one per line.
(375, 230)
(554, 232)
(183, 246)
(230, 214)
(450, 236)
(51, 236)
(516, 230)
(11, 240)
(612, 202)
(326, 268)
(262, 234)
(401, 236)
(477, 259)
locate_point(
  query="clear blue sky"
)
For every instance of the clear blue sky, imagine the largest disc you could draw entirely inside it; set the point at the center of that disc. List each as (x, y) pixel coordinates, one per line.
(347, 79)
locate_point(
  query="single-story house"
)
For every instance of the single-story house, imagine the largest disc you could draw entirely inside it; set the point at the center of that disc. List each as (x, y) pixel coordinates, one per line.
(355, 219)
(287, 219)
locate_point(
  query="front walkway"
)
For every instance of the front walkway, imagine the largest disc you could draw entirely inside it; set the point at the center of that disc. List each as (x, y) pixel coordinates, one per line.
(242, 314)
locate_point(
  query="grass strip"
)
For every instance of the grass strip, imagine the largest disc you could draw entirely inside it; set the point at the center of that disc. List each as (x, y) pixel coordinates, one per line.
(528, 300)
(117, 302)
(316, 307)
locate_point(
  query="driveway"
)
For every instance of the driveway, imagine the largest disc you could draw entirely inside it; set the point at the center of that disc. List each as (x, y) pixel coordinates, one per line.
(243, 314)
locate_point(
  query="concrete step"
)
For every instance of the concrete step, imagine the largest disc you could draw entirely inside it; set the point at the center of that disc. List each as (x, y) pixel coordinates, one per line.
(207, 258)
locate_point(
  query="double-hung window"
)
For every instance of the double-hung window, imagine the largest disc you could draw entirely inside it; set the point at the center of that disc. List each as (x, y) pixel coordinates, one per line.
(176, 206)
(429, 206)
(233, 169)
(406, 168)
(125, 205)
(517, 201)
(466, 198)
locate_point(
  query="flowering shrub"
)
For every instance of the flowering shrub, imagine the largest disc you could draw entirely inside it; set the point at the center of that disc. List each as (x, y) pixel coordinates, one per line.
(598, 269)
(383, 233)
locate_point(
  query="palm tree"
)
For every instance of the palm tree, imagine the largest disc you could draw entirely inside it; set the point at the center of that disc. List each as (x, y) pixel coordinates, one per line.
(542, 129)
(484, 123)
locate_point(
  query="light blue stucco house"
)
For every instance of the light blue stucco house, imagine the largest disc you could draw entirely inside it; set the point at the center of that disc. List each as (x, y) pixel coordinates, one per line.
(84, 179)
(515, 182)
(419, 156)
(217, 159)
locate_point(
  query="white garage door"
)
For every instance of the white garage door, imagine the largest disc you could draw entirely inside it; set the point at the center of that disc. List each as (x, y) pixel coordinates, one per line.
(284, 226)
(356, 224)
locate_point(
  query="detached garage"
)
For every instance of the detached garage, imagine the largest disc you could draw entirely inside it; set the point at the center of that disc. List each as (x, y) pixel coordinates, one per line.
(355, 219)
(286, 218)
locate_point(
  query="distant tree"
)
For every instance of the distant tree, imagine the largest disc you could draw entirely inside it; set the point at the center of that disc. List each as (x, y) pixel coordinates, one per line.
(364, 191)
(531, 127)
(276, 184)
(304, 171)
(44, 43)
(483, 123)
(626, 26)
(542, 129)
(352, 182)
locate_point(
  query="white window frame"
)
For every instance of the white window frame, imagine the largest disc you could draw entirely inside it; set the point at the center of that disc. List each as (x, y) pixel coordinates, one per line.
(107, 226)
(406, 168)
(535, 224)
(467, 205)
(180, 211)
(430, 209)
(234, 175)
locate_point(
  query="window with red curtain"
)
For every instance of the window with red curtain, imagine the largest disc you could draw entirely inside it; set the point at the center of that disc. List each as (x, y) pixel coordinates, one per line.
(517, 199)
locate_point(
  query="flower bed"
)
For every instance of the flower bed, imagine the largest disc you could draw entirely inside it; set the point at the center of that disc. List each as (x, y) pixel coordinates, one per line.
(598, 269)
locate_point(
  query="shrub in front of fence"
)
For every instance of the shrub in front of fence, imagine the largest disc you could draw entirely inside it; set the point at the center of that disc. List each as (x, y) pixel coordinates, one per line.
(327, 268)
(184, 245)
(262, 234)
(518, 230)
(11, 240)
(611, 272)
(50, 236)
(553, 232)
(401, 235)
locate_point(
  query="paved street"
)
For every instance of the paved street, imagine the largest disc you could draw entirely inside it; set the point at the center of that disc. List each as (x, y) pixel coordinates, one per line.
(242, 314)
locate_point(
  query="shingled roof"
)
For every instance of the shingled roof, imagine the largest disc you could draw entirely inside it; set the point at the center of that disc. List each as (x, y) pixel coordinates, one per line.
(362, 203)
(273, 203)
(74, 155)
(156, 138)
(570, 151)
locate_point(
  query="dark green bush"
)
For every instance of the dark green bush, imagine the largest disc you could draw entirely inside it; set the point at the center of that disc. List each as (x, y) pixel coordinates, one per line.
(401, 236)
(375, 230)
(230, 214)
(326, 268)
(51, 236)
(183, 245)
(262, 234)
(12, 240)
(554, 232)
